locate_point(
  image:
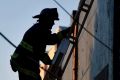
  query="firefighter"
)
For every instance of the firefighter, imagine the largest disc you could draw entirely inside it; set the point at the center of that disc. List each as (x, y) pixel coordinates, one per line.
(31, 49)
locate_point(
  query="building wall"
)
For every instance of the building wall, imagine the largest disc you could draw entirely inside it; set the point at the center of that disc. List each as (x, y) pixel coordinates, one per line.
(85, 45)
(94, 58)
(102, 56)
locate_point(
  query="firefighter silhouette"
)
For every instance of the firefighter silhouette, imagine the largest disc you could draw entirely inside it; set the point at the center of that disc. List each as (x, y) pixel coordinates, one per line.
(31, 49)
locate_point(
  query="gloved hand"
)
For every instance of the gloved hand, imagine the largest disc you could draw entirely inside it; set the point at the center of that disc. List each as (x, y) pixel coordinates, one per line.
(65, 32)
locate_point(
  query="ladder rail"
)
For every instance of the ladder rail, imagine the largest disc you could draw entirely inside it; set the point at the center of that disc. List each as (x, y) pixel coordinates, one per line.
(79, 32)
(75, 19)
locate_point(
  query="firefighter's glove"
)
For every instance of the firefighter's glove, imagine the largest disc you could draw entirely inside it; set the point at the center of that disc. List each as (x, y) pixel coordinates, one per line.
(65, 32)
(13, 66)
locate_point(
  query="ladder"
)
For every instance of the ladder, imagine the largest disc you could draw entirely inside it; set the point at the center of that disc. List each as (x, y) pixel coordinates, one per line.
(56, 70)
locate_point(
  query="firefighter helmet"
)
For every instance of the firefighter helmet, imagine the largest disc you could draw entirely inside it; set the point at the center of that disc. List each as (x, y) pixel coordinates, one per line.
(48, 13)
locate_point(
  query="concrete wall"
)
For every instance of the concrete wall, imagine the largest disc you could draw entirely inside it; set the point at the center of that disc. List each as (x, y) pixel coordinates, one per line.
(93, 55)
(102, 56)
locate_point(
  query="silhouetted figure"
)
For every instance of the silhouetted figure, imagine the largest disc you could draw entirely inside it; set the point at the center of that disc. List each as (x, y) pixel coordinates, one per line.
(32, 48)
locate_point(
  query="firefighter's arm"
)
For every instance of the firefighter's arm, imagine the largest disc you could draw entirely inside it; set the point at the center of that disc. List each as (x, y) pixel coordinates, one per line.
(56, 38)
(53, 39)
(45, 59)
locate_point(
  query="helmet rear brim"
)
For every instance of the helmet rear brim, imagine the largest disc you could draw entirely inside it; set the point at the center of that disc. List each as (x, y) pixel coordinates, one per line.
(39, 16)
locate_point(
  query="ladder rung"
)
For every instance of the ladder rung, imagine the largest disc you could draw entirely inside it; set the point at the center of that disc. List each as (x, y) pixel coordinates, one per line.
(73, 37)
(72, 42)
(86, 5)
(83, 9)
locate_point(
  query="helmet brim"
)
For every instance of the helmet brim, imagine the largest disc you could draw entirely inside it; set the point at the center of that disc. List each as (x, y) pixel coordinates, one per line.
(39, 16)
